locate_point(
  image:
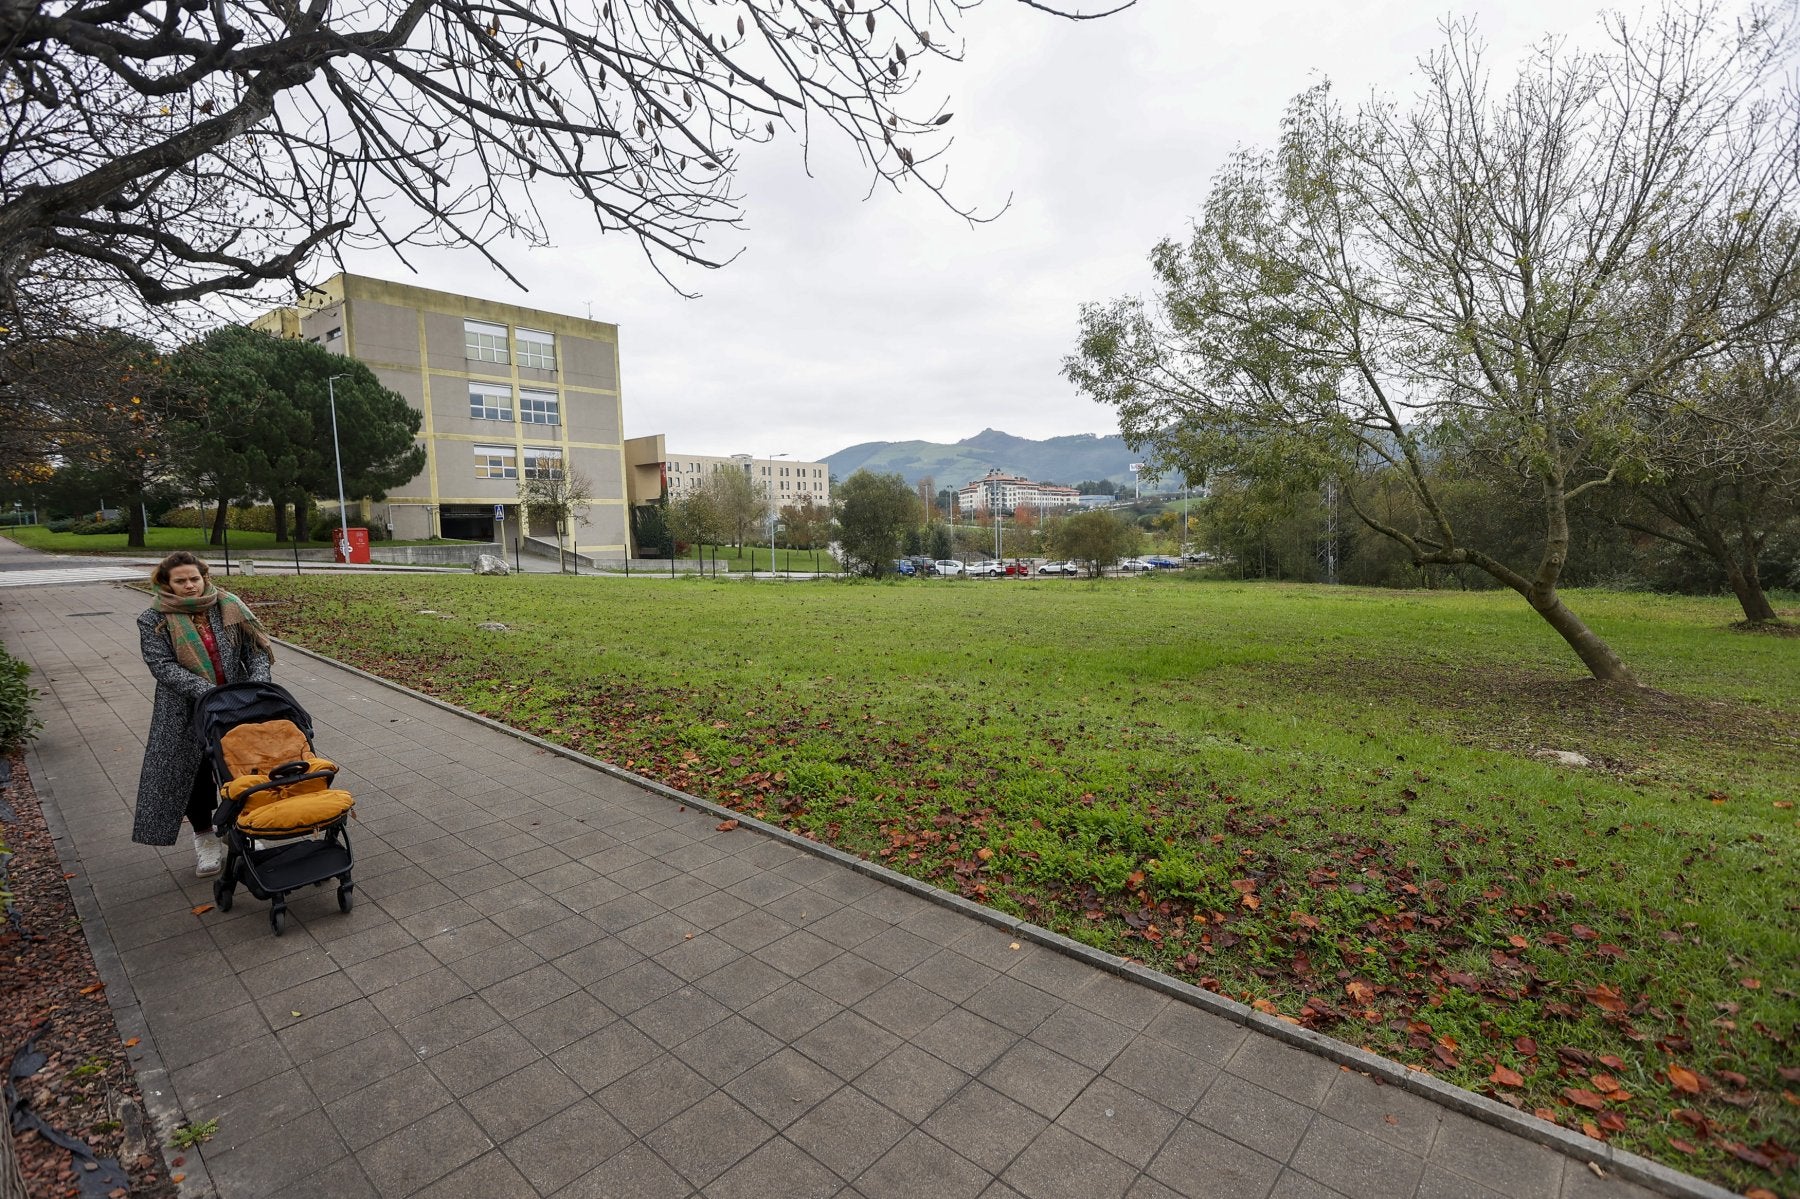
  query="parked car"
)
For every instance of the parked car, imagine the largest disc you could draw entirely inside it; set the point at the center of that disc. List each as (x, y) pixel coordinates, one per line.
(1163, 562)
(903, 567)
(1196, 556)
(923, 566)
(1059, 568)
(986, 570)
(1018, 570)
(1135, 564)
(949, 567)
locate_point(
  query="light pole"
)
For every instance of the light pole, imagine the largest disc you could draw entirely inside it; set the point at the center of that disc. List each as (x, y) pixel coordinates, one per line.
(343, 509)
(772, 458)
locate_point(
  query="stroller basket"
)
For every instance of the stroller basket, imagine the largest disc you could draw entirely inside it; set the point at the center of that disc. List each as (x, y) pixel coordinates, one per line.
(284, 822)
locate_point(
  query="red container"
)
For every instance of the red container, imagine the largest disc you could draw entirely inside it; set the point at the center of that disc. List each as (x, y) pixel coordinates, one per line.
(358, 546)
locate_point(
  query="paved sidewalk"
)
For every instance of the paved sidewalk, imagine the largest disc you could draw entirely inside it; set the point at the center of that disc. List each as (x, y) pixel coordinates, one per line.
(557, 984)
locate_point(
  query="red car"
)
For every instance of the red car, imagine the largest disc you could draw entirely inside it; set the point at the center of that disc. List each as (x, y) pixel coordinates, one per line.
(1018, 569)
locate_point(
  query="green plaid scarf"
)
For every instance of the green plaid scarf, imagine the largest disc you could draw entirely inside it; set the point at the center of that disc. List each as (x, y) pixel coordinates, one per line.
(180, 613)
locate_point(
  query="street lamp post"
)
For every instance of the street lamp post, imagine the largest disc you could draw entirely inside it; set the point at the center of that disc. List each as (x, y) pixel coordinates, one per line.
(772, 458)
(336, 453)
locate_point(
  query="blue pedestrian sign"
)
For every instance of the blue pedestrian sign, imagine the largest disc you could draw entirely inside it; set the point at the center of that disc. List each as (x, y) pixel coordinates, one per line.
(500, 512)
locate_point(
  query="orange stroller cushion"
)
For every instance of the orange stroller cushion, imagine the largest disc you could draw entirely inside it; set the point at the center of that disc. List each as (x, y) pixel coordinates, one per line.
(259, 748)
(296, 813)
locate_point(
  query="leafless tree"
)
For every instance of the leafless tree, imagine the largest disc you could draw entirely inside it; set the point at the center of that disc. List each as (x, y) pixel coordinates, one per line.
(171, 150)
(1397, 285)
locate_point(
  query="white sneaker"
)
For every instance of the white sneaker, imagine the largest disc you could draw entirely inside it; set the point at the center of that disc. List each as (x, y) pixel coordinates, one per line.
(209, 855)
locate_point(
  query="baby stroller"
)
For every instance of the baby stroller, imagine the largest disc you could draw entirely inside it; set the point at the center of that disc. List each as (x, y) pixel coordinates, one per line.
(285, 825)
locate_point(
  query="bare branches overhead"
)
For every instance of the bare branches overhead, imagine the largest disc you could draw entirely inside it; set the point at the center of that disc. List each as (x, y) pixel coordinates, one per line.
(175, 149)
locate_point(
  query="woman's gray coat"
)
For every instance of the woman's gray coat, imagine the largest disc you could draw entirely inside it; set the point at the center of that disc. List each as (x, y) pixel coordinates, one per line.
(172, 752)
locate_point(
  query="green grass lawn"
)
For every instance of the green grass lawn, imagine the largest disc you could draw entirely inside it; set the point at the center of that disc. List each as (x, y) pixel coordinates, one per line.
(1318, 800)
(166, 540)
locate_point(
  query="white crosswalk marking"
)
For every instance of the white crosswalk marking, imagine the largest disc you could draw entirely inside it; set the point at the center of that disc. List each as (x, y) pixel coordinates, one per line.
(68, 574)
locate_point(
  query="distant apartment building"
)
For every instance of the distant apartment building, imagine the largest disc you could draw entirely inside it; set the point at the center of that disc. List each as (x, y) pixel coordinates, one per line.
(506, 393)
(1008, 493)
(657, 471)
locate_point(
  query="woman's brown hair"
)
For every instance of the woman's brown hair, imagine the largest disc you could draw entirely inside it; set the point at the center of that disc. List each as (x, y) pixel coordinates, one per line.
(179, 558)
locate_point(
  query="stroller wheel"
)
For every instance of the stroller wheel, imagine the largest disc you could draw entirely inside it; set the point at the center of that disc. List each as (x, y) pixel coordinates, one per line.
(224, 892)
(345, 898)
(278, 918)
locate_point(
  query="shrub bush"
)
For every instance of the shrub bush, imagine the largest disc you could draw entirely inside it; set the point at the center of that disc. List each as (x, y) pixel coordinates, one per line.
(258, 518)
(63, 525)
(89, 527)
(17, 724)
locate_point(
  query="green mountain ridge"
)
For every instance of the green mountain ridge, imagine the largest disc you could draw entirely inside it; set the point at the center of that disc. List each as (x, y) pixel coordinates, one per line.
(1068, 460)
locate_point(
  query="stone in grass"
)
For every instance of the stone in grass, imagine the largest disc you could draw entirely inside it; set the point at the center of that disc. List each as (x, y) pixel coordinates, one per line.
(493, 626)
(488, 564)
(1562, 757)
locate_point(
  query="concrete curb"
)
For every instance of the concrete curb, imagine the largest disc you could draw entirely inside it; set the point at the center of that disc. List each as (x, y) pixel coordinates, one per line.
(160, 1106)
(1635, 1168)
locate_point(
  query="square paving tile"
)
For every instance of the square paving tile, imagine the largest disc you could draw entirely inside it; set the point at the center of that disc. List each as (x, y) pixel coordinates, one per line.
(265, 1164)
(985, 1126)
(1198, 1161)
(357, 1065)
(652, 1094)
(1060, 1165)
(727, 1049)
(848, 1133)
(632, 1173)
(1041, 1079)
(779, 1167)
(709, 1138)
(696, 958)
(528, 991)
(912, 1082)
(798, 953)
(564, 1021)
(1122, 1122)
(919, 1165)
(1301, 1076)
(385, 1107)
(567, 1146)
(508, 1107)
(904, 1007)
(1012, 1004)
(423, 1152)
(1085, 1036)
(783, 1087)
(1355, 1163)
(1387, 1113)
(489, 1176)
(741, 982)
(1251, 1116)
(1470, 1149)
(482, 1059)
(1170, 1077)
(952, 975)
(678, 1015)
(847, 1044)
(965, 1040)
(602, 1058)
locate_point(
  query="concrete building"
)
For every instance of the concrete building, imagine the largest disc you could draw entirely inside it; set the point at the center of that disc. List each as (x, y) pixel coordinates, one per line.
(657, 471)
(1011, 492)
(506, 392)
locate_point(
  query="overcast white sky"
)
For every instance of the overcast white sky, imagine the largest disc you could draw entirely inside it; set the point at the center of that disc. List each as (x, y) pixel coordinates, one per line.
(847, 321)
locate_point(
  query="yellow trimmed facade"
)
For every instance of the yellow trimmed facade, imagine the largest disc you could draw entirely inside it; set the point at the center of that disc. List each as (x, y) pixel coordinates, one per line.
(501, 389)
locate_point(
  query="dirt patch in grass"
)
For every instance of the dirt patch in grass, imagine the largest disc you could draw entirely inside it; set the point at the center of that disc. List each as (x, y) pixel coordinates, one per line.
(86, 1087)
(1622, 729)
(1767, 628)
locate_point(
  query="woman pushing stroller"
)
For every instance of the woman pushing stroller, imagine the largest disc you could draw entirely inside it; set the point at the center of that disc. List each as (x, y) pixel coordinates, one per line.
(194, 637)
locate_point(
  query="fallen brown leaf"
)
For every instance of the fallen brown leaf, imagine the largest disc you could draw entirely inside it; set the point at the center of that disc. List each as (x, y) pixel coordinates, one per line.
(203, 909)
(1684, 1079)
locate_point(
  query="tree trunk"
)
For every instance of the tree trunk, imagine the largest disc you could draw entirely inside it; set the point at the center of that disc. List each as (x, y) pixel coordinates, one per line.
(281, 521)
(1747, 586)
(134, 524)
(302, 516)
(1594, 653)
(218, 529)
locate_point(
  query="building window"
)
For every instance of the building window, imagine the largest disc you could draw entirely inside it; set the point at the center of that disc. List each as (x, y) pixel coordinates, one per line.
(496, 462)
(483, 342)
(543, 464)
(334, 334)
(535, 348)
(488, 402)
(538, 407)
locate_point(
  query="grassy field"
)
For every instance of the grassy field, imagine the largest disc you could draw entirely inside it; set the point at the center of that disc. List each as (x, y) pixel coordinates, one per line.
(166, 540)
(731, 558)
(1320, 801)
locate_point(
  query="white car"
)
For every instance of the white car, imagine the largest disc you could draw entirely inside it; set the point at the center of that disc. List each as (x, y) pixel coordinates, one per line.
(1135, 564)
(949, 567)
(1060, 568)
(986, 570)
